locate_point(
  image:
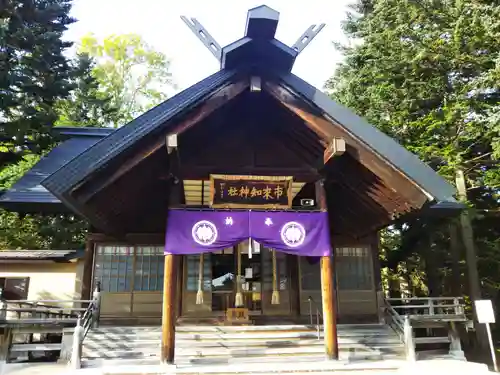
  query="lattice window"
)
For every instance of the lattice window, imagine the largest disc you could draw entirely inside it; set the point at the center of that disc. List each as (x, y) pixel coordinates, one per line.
(310, 274)
(354, 268)
(113, 267)
(122, 268)
(193, 267)
(149, 267)
(267, 264)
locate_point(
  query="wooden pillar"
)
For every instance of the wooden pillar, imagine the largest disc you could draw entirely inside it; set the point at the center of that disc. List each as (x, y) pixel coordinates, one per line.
(88, 269)
(328, 292)
(168, 312)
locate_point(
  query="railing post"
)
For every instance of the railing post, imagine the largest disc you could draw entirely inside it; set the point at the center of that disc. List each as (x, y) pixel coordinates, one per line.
(458, 306)
(455, 344)
(317, 324)
(3, 310)
(76, 350)
(409, 343)
(310, 311)
(381, 307)
(96, 307)
(431, 307)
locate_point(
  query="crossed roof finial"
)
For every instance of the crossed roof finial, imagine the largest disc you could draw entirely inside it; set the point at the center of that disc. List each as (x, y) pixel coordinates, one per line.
(260, 30)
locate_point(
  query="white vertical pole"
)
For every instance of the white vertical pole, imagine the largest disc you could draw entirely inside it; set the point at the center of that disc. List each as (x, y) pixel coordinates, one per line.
(492, 348)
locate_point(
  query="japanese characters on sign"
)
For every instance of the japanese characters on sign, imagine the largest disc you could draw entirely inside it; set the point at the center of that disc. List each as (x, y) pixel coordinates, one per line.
(251, 191)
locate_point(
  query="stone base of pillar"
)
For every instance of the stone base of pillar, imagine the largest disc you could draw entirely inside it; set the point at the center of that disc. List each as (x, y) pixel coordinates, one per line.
(457, 354)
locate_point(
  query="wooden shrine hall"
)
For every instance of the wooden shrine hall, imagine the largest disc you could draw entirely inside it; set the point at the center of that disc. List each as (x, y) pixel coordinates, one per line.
(240, 199)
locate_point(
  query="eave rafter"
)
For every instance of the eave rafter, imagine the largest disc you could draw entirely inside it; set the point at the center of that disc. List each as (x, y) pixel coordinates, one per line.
(211, 104)
(327, 129)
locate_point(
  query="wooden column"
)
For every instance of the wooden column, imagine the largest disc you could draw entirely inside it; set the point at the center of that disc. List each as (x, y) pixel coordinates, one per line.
(328, 292)
(88, 269)
(168, 312)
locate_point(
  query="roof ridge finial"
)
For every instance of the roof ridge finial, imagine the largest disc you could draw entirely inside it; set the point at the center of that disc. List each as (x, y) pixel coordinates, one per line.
(203, 35)
(307, 37)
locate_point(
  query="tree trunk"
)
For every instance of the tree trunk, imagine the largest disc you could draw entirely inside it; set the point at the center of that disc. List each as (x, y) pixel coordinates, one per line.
(394, 285)
(470, 255)
(455, 250)
(431, 267)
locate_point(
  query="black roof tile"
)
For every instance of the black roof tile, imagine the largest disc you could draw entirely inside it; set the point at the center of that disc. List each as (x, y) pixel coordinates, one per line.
(28, 190)
(402, 159)
(126, 136)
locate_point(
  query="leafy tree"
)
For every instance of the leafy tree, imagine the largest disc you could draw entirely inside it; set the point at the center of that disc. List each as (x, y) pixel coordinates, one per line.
(129, 71)
(87, 105)
(426, 72)
(34, 73)
(35, 231)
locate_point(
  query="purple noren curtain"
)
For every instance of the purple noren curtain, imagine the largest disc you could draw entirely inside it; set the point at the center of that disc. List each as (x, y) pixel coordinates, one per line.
(298, 233)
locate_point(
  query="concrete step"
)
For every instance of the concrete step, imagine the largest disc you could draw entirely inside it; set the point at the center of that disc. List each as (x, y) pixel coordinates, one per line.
(197, 352)
(309, 365)
(102, 342)
(199, 336)
(342, 329)
(230, 344)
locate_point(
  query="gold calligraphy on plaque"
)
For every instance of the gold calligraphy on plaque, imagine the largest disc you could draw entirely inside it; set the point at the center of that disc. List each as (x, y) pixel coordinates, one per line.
(229, 191)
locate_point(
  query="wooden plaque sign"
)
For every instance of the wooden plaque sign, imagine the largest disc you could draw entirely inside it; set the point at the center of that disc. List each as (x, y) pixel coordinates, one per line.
(228, 191)
(237, 314)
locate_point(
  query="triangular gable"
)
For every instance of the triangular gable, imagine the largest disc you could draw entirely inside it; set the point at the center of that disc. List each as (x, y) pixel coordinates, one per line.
(380, 143)
(125, 137)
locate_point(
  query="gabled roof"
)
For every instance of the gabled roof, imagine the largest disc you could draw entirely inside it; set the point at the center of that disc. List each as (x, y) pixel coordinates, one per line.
(111, 146)
(27, 194)
(241, 60)
(395, 154)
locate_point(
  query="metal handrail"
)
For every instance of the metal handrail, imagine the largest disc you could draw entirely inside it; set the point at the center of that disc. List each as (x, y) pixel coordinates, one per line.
(89, 319)
(318, 314)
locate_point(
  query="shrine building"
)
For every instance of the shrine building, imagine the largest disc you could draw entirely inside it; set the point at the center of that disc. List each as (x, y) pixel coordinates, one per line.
(246, 197)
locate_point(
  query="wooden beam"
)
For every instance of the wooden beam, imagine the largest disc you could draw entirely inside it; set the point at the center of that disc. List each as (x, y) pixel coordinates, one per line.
(168, 312)
(212, 103)
(88, 265)
(171, 143)
(192, 172)
(215, 101)
(328, 292)
(328, 129)
(336, 147)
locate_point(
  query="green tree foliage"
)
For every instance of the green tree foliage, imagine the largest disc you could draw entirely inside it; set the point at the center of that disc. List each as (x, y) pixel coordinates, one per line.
(427, 73)
(35, 231)
(87, 104)
(34, 73)
(130, 72)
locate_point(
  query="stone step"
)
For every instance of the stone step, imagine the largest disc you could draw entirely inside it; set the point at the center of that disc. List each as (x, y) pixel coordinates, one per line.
(235, 352)
(342, 329)
(235, 335)
(284, 364)
(209, 345)
(188, 344)
(232, 353)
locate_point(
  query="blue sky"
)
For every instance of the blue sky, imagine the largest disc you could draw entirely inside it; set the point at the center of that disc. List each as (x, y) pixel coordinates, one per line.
(159, 23)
